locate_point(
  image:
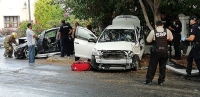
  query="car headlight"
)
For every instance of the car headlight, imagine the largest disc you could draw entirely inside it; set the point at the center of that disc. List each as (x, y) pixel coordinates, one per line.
(96, 52)
(130, 54)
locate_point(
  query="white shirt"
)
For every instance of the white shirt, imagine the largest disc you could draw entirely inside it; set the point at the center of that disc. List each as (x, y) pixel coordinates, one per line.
(29, 35)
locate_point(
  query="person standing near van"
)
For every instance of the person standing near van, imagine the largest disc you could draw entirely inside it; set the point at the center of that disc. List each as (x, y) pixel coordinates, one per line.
(176, 29)
(160, 37)
(194, 37)
(31, 43)
(64, 31)
(166, 24)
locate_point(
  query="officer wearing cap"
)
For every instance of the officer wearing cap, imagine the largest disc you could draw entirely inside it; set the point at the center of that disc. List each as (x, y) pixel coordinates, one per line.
(160, 37)
(194, 37)
(8, 44)
(176, 29)
(64, 31)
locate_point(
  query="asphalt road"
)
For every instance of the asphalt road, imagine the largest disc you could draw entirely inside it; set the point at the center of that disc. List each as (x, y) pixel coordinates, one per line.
(18, 79)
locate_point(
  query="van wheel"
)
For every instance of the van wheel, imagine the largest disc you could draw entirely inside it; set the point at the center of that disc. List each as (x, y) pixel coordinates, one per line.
(136, 63)
(94, 64)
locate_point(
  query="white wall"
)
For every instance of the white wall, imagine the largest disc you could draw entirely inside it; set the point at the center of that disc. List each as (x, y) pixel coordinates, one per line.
(15, 8)
(185, 22)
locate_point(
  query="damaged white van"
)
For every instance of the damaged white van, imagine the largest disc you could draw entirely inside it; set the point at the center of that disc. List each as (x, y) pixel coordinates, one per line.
(119, 47)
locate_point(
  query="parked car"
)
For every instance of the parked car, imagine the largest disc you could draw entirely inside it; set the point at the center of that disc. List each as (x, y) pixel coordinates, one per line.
(1, 39)
(46, 42)
(120, 46)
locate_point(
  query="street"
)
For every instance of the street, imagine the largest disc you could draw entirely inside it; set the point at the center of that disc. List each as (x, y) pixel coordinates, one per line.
(18, 79)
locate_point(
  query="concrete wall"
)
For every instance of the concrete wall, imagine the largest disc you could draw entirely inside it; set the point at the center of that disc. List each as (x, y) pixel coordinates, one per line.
(16, 8)
(185, 24)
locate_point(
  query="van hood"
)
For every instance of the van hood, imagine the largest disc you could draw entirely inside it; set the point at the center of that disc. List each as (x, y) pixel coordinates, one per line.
(122, 45)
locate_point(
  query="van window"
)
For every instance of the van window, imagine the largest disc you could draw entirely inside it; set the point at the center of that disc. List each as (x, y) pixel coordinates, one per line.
(110, 35)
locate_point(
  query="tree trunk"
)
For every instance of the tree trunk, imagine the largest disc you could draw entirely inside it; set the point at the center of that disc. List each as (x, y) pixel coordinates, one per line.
(156, 11)
(145, 15)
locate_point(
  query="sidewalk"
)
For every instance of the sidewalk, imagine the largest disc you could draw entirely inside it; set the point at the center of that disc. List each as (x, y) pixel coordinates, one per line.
(60, 60)
(57, 60)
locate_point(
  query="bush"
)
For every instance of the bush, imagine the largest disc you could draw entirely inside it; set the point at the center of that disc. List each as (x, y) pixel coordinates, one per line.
(23, 26)
(7, 31)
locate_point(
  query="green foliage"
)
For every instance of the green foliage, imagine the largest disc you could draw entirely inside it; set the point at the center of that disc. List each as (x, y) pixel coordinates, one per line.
(175, 7)
(101, 12)
(23, 26)
(48, 13)
(72, 20)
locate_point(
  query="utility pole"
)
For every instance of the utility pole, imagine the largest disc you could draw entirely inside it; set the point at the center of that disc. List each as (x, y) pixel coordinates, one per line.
(29, 11)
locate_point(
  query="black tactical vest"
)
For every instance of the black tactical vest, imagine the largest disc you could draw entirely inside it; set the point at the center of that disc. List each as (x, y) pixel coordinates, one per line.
(161, 39)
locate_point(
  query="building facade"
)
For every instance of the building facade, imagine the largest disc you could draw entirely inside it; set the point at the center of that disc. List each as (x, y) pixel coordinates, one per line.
(12, 12)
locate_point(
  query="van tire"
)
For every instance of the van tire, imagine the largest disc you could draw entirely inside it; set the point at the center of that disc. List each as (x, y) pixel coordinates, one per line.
(136, 63)
(94, 64)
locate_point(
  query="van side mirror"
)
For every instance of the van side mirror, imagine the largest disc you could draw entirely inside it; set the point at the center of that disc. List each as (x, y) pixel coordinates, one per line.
(92, 40)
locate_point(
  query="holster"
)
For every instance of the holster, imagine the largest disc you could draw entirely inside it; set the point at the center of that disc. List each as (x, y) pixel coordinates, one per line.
(152, 49)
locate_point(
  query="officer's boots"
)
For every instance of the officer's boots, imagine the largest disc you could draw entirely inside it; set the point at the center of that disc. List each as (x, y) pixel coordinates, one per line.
(187, 76)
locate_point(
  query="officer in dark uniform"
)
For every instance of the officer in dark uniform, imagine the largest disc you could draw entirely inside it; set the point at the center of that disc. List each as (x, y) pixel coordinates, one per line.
(64, 31)
(160, 37)
(165, 20)
(194, 37)
(166, 23)
(176, 29)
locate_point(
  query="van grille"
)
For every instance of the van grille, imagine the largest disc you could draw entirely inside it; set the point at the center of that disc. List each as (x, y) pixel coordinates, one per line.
(113, 54)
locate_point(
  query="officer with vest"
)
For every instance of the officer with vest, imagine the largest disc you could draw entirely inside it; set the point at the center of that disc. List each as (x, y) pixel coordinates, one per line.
(160, 37)
(8, 44)
(194, 37)
(176, 29)
(166, 24)
(64, 31)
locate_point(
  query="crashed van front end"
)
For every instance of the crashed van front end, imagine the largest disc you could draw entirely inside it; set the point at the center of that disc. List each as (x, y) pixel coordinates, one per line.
(119, 47)
(114, 59)
(121, 55)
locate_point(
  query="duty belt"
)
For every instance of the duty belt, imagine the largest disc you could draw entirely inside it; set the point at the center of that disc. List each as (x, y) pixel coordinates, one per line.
(161, 48)
(195, 43)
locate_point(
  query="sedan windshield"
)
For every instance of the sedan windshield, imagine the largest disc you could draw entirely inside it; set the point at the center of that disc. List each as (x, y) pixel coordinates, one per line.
(110, 35)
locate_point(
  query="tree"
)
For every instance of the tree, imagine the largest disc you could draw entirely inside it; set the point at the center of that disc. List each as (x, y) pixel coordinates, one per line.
(100, 11)
(48, 13)
(174, 7)
(103, 11)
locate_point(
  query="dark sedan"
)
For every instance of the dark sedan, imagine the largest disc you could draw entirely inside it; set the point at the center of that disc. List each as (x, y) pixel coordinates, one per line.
(46, 42)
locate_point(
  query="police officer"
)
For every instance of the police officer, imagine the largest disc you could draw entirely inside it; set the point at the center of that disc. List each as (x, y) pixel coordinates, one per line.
(176, 29)
(64, 31)
(160, 37)
(166, 23)
(194, 37)
(8, 44)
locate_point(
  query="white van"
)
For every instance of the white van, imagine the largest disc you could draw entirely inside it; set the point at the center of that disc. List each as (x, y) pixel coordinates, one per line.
(120, 46)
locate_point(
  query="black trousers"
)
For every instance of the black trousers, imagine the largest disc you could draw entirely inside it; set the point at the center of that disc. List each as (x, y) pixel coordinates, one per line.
(64, 44)
(176, 42)
(71, 46)
(194, 54)
(158, 57)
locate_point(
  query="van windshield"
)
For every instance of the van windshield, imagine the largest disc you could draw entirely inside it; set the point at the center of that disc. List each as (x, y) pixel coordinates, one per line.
(110, 35)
